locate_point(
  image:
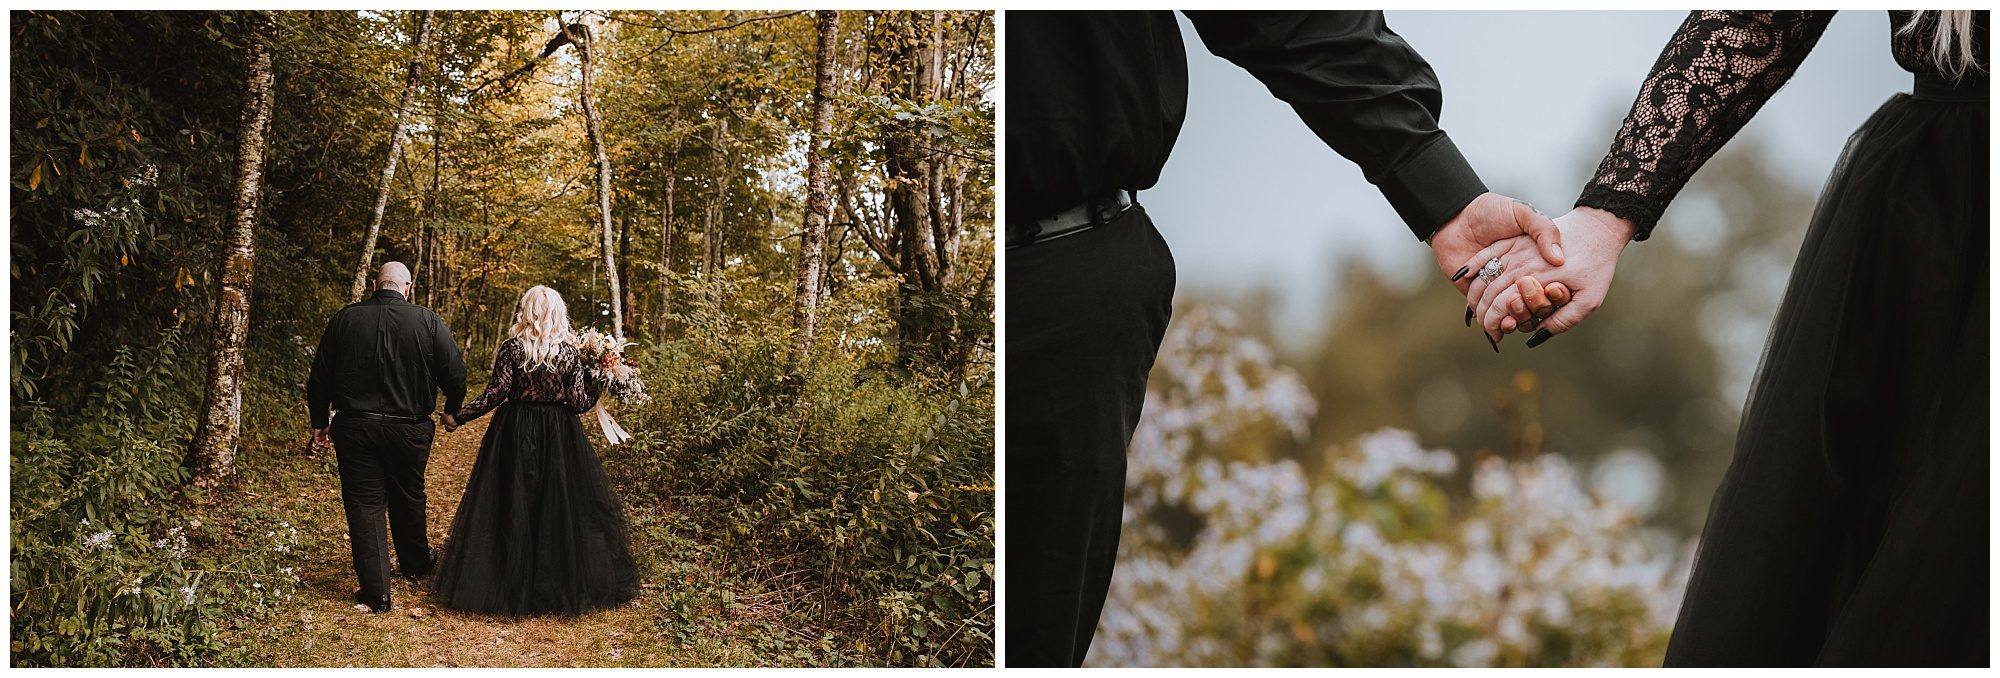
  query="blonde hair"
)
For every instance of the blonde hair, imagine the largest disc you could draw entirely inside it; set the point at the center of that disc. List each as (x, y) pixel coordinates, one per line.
(1951, 43)
(541, 322)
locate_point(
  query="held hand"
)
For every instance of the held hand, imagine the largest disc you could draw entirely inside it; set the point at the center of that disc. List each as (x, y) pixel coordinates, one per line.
(1539, 301)
(321, 438)
(1598, 238)
(450, 424)
(1491, 218)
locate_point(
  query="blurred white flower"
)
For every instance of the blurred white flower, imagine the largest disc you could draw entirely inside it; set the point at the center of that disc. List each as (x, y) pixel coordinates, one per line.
(1233, 555)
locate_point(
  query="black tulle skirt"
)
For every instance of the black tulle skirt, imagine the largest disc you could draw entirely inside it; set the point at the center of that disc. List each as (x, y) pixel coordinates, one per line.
(539, 530)
(1851, 526)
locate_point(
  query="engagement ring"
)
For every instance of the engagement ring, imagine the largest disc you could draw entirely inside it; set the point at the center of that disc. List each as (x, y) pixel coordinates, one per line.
(1491, 270)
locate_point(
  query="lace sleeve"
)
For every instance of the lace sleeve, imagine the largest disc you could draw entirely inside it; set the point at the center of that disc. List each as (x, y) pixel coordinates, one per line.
(506, 362)
(1714, 74)
(583, 388)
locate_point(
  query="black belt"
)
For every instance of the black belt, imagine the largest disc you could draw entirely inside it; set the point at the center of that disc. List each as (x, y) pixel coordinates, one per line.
(378, 416)
(1083, 217)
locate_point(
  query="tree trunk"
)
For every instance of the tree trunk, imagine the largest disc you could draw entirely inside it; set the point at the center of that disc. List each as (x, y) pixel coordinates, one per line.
(427, 261)
(585, 46)
(911, 44)
(711, 228)
(213, 458)
(667, 239)
(430, 215)
(708, 212)
(819, 207)
(625, 272)
(396, 139)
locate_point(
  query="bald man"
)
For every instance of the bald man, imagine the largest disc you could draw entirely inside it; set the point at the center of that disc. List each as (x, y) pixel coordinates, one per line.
(380, 366)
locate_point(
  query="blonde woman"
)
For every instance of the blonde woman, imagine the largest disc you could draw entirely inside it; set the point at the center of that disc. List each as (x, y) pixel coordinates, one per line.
(1851, 527)
(539, 530)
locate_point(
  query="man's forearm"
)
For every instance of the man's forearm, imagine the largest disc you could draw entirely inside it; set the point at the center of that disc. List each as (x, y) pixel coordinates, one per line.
(1365, 92)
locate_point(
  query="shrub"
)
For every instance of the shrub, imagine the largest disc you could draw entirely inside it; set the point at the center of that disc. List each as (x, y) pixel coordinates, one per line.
(873, 485)
(111, 566)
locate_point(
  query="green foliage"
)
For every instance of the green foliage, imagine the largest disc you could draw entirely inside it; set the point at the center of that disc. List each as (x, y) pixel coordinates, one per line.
(871, 486)
(117, 168)
(110, 566)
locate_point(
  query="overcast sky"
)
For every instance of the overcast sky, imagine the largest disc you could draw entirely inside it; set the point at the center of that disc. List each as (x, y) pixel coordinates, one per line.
(1252, 198)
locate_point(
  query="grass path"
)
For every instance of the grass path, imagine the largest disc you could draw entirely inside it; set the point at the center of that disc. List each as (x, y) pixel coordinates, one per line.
(698, 619)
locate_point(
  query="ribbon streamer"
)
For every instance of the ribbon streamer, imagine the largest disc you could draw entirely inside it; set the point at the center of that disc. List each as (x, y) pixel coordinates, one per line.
(613, 433)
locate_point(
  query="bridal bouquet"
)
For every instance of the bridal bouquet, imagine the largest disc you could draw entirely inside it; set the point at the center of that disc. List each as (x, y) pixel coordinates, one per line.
(604, 357)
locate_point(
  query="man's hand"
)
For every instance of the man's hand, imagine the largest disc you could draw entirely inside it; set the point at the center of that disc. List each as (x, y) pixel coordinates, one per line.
(1488, 219)
(1507, 304)
(321, 438)
(450, 424)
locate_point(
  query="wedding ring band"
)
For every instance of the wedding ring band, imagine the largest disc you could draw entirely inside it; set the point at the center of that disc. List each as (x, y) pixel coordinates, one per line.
(1491, 270)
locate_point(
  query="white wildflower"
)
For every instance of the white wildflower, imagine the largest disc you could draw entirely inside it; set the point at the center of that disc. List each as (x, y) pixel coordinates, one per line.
(1228, 541)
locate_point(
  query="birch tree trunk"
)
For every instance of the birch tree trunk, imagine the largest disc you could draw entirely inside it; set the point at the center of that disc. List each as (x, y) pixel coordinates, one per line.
(819, 207)
(434, 202)
(396, 140)
(580, 35)
(429, 218)
(213, 458)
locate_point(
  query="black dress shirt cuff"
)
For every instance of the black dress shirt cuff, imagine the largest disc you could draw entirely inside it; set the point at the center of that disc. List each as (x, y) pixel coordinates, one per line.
(1431, 187)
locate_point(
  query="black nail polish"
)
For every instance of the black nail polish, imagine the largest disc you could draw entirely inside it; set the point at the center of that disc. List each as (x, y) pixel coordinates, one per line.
(1491, 340)
(1545, 313)
(1462, 270)
(1468, 316)
(1540, 336)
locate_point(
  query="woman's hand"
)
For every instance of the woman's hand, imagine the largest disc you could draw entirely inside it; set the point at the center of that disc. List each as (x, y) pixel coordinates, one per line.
(1594, 240)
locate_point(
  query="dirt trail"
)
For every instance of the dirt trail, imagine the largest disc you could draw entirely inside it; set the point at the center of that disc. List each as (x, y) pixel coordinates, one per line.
(323, 628)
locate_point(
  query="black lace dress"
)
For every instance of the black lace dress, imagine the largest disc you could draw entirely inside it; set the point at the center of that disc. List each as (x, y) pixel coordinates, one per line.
(539, 530)
(1851, 526)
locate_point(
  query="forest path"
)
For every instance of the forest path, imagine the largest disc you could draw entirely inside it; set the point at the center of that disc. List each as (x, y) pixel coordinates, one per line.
(321, 628)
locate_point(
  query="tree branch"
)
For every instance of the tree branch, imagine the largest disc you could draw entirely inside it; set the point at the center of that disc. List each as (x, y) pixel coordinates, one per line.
(562, 37)
(698, 31)
(880, 248)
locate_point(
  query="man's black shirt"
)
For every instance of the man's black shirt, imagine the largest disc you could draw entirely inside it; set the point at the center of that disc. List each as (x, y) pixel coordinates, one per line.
(1096, 99)
(387, 356)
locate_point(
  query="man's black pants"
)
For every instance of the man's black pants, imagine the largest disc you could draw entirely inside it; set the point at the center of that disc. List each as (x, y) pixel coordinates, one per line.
(382, 467)
(1085, 315)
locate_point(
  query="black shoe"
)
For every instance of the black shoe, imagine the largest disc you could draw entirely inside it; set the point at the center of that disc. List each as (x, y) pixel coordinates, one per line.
(377, 605)
(414, 574)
